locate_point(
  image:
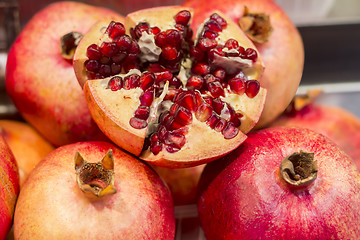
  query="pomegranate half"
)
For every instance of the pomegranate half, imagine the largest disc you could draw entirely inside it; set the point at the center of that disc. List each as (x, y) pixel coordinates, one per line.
(93, 190)
(40, 78)
(282, 183)
(277, 39)
(9, 187)
(172, 100)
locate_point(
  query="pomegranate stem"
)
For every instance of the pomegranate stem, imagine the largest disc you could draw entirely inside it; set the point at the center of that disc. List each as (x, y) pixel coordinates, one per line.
(68, 44)
(95, 179)
(299, 169)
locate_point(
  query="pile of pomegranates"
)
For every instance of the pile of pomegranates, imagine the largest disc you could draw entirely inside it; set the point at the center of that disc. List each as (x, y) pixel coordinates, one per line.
(172, 100)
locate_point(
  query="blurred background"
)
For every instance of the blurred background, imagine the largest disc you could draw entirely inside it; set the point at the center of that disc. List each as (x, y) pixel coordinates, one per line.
(330, 30)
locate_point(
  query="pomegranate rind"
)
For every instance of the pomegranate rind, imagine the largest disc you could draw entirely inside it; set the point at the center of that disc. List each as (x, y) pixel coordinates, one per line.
(95, 32)
(112, 111)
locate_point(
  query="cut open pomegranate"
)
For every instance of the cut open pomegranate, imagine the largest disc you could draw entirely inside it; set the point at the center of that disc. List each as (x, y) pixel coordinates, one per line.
(161, 95)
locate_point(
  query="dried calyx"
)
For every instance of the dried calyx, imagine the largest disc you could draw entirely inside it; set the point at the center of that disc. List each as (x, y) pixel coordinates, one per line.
(95, 179)
(299, 169)
(68, 44)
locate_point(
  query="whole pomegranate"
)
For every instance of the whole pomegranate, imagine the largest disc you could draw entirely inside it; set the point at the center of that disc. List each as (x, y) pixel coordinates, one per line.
(27, 145)
(282, 183)
(336, 123)
(277, 39)
(9, 187)
(40, 78)
(93, 190)
(182, 182)
(172, 100)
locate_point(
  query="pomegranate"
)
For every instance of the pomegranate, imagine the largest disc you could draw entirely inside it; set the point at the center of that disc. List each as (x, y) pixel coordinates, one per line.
(282, 183)
(27, 145)
(160, 95)
(336, 123)
(9, 187)
(93, 190)
(40, 78)
(277, 39)
(182, 182)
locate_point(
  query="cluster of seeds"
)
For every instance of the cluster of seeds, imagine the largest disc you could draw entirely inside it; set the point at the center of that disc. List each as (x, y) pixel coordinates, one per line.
(200, 98)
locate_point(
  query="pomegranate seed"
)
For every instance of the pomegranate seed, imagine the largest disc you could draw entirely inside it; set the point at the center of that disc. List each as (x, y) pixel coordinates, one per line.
(134, 48)
(105, 70)
(115, 83)
(164, 117)
(218, 105)
(110, 27)
(188, 100)
(117, 30)
(142, 112)
(230, 131)
(160, 39)
(200, 68)
(171, 149)
(155, 30)
(140, 28)
(220, 125)
(241, 51)
(210, 34)
(196, 54)
(195, 82)
(203, 112)
(123, 43)
(182, 29)
(173, 108)
(212, 120)
(155, 68)
(208, 100)
(251, 54)
(154, 137)
(174, 139)
(231, 44)
(147, 80)
(163, 76)
(93, 52)
(137, 123)
(216, 17)
(115, 69)
(109, 49)
(162, 132)
(171, 94)
(183, 116)
(213, 25)
(205, 44)
(216, 52)
(128, 65)
(169, 52)
(171, 124)
(119, 57)
(175, 82)
(252, 88)
(220, 73)
(147, 98)
(156, 147)
(189, 34)
(92, 65)
(237, 85)
(210, 78)
(232, 54)
(105, 60)
(216, 89)
(182, 17)
(131, 81)
(173, 37)
(235, 119)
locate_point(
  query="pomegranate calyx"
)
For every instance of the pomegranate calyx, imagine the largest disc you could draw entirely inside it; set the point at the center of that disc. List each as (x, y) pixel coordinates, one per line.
(69, 43)
(95, 179)
(299, 169)
(301, 101)
(256, 26)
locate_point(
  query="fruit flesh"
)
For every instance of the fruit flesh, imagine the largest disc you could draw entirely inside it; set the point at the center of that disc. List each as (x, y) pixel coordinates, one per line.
(248, 106)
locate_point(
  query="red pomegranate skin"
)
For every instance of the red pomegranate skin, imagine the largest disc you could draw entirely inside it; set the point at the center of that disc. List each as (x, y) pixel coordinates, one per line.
(336, 123)
(9, 187)
(283, 53)
(244, 197)
(52, 206)
(42, 84)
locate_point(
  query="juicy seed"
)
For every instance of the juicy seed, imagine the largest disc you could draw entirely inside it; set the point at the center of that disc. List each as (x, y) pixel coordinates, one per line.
(183, 116)
(105, 70)
(115, 83)
(155, 30)
(134, 48)
(109, 49)
(131, 81)
(195, 82)
(237, 85)
(216, 17)
(169, 52)
(123, 42)
(205, 44)
(196, 54)
(156, 147)
(210, 34)
(118, 29)
(173, 37)
(203, 112)
(147, 80)
(188, 100)
(160, 39)
(137, 123)
(252, 88)
(115, 69)
(220, 125)
(232, 44)
(174, 139)
(147, 98)
(218, 105)
(220, 73)
(140, 28)
(182, 17)
(200, 68)
(119, 57)
(213, 25)
(230, 131)
(92, 65)
(216, 89)
(212, 121)
(93, 52)
(251, 54)
(142, 112)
